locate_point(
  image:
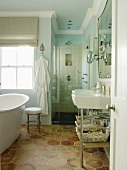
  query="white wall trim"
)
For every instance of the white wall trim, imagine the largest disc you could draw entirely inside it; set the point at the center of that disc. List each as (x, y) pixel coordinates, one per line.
(52, 14)
(90, 13)
(95, 7)
(86, 19)
(54, 22)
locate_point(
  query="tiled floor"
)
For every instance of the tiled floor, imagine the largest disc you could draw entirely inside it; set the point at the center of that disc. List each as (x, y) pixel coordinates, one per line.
(56, 147)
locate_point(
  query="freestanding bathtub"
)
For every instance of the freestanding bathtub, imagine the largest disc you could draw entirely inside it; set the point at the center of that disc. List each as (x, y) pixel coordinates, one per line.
(12, 106)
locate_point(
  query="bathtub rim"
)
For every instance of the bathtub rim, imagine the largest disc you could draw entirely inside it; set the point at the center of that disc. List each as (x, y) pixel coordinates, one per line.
(14, 94)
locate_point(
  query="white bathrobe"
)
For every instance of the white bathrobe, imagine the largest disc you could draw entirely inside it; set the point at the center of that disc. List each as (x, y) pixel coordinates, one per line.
(42, 81)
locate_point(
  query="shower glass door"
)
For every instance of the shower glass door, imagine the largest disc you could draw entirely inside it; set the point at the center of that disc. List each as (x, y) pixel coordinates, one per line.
(68, 63)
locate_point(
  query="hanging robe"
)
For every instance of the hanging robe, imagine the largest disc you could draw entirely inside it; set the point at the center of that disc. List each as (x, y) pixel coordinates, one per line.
(42, 82)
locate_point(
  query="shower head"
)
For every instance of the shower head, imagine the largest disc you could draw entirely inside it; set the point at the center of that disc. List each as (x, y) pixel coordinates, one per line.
(68, 43)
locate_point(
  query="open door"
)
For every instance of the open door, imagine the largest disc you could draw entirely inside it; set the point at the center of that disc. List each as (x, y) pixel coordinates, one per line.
(118, 154)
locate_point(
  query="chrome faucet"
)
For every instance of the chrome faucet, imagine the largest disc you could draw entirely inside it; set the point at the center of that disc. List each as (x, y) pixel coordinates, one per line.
(102, 89)
(99, 88)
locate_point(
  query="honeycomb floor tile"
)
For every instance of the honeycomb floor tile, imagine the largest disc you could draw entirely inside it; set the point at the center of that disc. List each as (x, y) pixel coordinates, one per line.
(55, 147)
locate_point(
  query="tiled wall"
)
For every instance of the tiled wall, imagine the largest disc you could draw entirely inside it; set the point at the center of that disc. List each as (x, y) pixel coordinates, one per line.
(70, 64)
(104, 69)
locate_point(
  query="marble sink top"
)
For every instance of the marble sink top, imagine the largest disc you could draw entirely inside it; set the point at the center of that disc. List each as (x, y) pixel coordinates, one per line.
(90, 99)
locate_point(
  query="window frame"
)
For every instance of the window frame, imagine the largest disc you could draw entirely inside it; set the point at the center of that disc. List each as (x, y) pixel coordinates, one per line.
(16, 67)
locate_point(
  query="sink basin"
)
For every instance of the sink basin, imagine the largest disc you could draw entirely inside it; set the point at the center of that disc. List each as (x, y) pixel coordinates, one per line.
(90, 99)
(82, 91)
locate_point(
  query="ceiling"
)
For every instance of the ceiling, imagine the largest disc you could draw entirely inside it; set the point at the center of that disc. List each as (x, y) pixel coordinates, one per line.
(70, 14)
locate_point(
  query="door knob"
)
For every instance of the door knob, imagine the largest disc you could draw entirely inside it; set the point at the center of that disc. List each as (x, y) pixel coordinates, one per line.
(108, 107)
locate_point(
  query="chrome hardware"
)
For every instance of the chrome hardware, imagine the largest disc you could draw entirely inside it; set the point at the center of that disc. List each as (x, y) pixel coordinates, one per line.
(103, 89)
(108, 107)
(85, 74)
(68, 78)
(99, 89)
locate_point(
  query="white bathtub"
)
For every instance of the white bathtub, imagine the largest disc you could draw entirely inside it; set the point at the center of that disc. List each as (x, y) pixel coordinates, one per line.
(11, 110)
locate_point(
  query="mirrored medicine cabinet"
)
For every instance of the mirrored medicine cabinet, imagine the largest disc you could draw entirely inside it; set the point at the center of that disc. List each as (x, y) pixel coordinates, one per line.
(105, 41)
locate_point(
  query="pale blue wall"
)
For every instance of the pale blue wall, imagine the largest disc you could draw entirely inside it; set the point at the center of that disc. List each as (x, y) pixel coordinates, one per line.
(45, 38)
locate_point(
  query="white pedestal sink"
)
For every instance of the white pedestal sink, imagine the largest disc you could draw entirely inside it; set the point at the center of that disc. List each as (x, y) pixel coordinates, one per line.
(88, 99)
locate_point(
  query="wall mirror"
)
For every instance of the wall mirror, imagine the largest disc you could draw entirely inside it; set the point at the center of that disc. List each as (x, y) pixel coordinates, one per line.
(104, 38)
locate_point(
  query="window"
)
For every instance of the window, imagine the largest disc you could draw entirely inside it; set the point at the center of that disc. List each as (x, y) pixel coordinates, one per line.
(16, 67)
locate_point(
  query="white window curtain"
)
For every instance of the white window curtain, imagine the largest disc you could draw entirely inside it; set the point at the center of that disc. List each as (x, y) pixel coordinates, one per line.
(18, 31)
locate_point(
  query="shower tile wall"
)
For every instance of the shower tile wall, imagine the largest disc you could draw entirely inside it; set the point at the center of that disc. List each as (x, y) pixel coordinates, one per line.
(70, 64)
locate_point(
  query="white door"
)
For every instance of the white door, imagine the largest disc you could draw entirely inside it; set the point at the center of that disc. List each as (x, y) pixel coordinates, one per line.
(118, 154)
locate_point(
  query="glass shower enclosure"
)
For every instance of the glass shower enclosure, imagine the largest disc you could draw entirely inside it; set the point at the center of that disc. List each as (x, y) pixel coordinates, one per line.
(66, 76)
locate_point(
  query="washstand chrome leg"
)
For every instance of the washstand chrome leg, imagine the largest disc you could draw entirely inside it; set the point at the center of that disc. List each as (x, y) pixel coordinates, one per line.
(81, 138)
